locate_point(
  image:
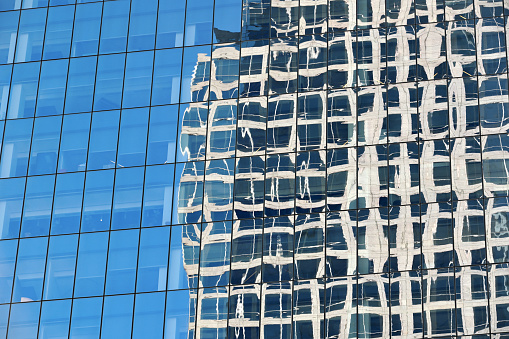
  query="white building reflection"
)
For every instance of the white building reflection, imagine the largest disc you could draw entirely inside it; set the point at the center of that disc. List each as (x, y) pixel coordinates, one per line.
(307, 174)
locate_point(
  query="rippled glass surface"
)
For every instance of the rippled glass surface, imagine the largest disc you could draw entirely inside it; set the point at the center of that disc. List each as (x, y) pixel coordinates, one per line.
(241, 169)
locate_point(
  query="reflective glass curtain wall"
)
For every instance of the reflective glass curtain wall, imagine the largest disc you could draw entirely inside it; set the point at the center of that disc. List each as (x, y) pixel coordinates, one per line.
(246, 169)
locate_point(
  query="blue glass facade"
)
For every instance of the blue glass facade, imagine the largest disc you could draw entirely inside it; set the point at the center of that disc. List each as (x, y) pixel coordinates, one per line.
(247, 169)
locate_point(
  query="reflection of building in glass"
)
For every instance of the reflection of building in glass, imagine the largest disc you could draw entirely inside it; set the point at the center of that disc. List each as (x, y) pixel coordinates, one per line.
(290, 169)
(364, 200)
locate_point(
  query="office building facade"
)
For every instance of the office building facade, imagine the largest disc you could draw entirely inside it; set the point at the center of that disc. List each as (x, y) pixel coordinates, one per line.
(254, 169)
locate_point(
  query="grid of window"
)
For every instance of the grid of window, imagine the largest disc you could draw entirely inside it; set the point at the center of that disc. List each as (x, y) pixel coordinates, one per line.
(254, 169)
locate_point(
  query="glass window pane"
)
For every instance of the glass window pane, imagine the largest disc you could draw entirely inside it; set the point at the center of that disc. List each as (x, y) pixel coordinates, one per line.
(57, 42)
(117, 316)
(162, 135)
(80, 85)
(87, 24)
(8, 33)
(5, 82)
(30, 270)
(177, 274)
(153, 259)
(102, 152)
(108, 83)
(74, 143)
(15, 148)
(4, 318)
(23, 90)
(132, 140)
(122, 257)
(127, 198)
(55, 320)
(67, 203)
(31, 35)
(148, 316)
(60, 267)
(8, 251)
(11, 203)
(23, 321)
(138, 79)
(166, 83)
(227, 15)
(114, 26)
(180, 312)
(199, 22)
(170, 24)
(142, 25)
(45, 142)
(97, 201)
(91, 265)
(86, 318)
(157, 196)
(37, 206)
(50, 98)
(10, 5)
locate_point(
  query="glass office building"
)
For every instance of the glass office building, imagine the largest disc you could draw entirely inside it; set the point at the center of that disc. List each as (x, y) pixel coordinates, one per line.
(245, 169)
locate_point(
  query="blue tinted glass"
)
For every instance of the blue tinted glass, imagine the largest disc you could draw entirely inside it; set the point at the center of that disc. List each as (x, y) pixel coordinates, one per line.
(199, 22)
(4, 317)
(57, 42)
(11, 203)
(37, 206)
(122, 257)
(215, 256)
(189, 193)
(132, 142)
(149, 315)
(166, 83)
(177, 275)
(60, 267)
(127, 198)
(157, 197)
(87, 24)
(97, 201)
(67, 203)
(153, 259)
(34, 3)
(55, 318)
(162, 135)
(138, 78)
(80, 85)
(23, 321)
(117, 316)
(7, 260)
(5, 81)
(31, 35)
(142, 25)
(8, 5)
(179, 310)
(23, 90)
(30, 269)
(8, 32)
(63, 2)
(114, 26)
(195, 70)
(45, 141)
(227, 15)
(86, 318)
(170, 24)
(50, 97)
(102, 152)
(108, 83)
(15, 148)
(91, 265)
(74, 143)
